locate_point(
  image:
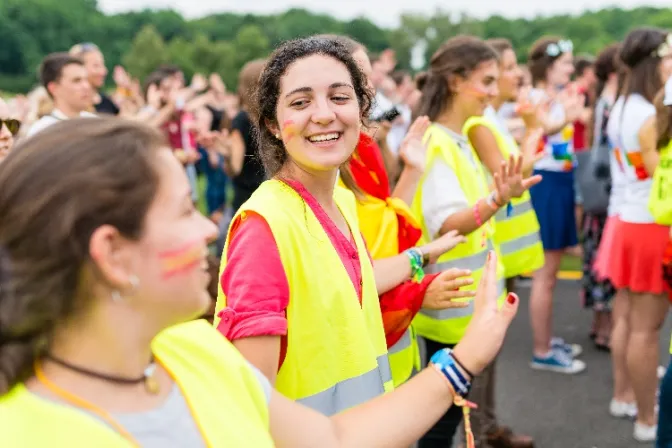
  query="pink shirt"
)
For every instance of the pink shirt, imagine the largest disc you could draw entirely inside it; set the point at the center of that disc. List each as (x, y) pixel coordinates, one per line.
(257, 304)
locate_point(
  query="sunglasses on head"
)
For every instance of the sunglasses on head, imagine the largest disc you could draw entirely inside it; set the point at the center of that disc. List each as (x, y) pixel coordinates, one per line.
(12, 125)
(83, 48)
(556, 49)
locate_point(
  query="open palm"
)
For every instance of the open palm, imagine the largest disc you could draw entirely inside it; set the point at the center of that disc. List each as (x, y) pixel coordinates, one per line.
(412, 150)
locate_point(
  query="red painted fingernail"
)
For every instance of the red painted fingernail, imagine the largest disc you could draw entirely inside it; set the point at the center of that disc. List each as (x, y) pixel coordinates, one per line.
(511, 298)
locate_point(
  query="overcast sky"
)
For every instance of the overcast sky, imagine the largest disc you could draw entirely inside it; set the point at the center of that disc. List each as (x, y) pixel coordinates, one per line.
(383, 12)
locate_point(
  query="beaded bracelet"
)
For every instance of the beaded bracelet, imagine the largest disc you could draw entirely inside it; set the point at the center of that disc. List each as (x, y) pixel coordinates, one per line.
(415, 257)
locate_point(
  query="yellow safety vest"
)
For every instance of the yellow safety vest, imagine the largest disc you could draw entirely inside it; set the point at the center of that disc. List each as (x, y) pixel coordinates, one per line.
(660, 199)
(379, 227)
(517, 235)
(336, 350)
(224, 394)
(448, 326)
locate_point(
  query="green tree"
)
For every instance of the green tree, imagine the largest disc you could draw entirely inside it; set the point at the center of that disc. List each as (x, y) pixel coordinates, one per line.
(147, 52)
(250, 43)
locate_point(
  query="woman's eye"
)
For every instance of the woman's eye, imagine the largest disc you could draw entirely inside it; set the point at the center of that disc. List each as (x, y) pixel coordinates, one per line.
(299, 103)
(340, 98)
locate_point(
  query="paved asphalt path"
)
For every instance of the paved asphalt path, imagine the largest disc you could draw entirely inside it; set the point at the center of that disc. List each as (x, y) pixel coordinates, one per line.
(562, 411)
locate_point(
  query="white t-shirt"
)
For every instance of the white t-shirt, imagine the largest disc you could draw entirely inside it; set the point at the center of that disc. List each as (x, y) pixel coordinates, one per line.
(627, 117)
(399, 128)
(54, 117)
(442, 194)
(558, 148)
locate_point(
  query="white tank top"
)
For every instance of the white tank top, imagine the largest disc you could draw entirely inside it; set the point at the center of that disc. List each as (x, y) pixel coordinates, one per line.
(559, 147)
(626, 119)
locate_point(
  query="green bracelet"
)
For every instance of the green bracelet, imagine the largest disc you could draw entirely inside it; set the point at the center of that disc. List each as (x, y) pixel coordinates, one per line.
(415, 257)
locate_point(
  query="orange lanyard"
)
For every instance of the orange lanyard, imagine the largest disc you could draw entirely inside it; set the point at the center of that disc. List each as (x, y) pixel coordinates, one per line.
(83, 404)
(105, 416)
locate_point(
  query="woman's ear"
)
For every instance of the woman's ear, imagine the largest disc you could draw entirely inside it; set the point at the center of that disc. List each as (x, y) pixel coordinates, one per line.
(454, 84)
(272, 126)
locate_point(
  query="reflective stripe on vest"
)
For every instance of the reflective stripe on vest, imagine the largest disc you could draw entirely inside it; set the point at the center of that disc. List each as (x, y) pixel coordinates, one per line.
(454, 313)
(402, 344)
(520, 243)
(471, 262)
(518, 209)
(351, 392)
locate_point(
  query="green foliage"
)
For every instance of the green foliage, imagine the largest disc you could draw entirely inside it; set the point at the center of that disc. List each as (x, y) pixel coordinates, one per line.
(141, 40)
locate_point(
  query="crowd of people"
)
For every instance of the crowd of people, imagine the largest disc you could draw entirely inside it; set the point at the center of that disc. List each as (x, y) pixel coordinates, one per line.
(182, 265)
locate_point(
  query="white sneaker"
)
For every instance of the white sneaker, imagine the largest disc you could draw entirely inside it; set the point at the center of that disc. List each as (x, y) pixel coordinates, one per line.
(620, 409)
(644, 433)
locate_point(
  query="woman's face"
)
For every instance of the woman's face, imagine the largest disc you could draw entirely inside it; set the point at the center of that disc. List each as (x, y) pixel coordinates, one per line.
(170, 259)
(318, 115)
(477, 91)
(6, 136)
(665, 68)
(94, 62)
(510, 76)
(560, 72)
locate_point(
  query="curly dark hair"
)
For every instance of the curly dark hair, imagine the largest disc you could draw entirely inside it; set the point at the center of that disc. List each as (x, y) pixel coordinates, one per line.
(271, 150)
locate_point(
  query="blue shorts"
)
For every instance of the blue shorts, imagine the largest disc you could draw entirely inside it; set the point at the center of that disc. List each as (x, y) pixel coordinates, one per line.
(554, 200)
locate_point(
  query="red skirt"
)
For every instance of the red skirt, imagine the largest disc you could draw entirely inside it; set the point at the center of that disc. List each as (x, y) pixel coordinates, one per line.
(636, 257)
(603, 255)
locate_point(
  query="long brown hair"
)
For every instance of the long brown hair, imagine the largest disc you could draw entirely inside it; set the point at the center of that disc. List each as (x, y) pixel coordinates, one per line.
(457, 57)
(56, 189)
(641, 63)
(663, 121)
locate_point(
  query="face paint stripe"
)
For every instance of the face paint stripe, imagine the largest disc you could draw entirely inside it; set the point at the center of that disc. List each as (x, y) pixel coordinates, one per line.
(179, 260)
(288, 130)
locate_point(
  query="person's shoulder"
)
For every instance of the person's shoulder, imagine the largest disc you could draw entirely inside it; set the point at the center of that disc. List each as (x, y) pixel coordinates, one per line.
(41, 125)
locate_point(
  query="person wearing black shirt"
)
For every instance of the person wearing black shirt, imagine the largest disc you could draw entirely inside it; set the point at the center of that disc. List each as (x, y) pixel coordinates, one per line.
(244, 165)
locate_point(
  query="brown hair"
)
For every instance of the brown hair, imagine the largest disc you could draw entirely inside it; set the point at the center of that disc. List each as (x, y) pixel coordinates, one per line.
(500, 45)
(272, 151)
(351, 44)
(247, 82)
(663, 121)
(56, 189)
(606, 64)
(641, 63)
(457, 57)
(53, 65)
(539, 61)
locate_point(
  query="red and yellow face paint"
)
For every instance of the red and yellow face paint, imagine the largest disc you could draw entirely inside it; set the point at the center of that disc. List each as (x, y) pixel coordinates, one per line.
(182, 259)
(288, 131)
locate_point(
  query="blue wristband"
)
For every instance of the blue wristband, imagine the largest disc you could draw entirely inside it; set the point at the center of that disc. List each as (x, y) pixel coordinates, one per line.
(443, 360)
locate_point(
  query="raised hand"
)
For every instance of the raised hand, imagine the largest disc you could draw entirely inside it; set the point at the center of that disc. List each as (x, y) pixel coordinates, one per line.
(412, 150)
(198, 83)
(441, 245)
(486, 331)
(509, 182)
(445, 288)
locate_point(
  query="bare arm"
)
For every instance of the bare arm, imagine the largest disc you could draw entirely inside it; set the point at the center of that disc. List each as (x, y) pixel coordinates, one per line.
(407, 184)
(648, 137)
(263, 352)
(233, 165)
(393, 420)
(399, 418)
